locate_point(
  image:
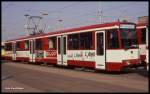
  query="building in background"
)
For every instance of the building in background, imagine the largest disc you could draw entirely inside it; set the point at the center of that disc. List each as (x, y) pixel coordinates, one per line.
(143, 19)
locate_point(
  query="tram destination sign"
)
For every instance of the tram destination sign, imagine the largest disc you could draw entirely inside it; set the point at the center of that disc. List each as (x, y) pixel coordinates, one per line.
(127, 26)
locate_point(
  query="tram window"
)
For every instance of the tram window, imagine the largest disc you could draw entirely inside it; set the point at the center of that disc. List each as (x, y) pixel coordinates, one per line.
(86, 40)
(2, 46)
(30, 47)
(18, 45)
(64, 45)
(73, 41)
(8, 46)
(143, 35)
(58, 45)
(26, 45)
(70, 43)
(38, 44)
(100, 44)
(112, 39)
(52, 43)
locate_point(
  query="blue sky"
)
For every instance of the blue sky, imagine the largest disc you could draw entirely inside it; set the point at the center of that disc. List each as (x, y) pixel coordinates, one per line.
(73, 14)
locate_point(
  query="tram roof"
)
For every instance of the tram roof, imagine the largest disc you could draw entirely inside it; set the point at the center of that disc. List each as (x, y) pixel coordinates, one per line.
(77, 29)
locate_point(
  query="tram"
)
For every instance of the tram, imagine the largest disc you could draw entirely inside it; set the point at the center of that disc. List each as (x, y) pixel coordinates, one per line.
(109, 46)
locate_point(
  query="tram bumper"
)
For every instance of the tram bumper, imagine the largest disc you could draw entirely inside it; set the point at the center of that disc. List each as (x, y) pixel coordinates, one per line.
(131, 63)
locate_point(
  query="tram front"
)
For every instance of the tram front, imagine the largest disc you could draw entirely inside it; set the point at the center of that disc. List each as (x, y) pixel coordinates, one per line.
(122, 47)
(129, 44)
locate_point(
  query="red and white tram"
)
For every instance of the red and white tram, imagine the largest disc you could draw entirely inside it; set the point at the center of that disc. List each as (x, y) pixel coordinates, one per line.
(109, 46)
(142, 34)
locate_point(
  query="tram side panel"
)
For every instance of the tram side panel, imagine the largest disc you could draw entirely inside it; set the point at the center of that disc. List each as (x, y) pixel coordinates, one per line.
(22, 50)
(81, 49)
(118, 59)
(50, 50)
(81, 58)
(45, 50)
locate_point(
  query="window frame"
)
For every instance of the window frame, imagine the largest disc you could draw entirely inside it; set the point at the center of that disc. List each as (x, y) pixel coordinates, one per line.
(118, 38)
(26, 41)
(91, 41)
(72, 36)
(70, 44)
(39, 47)
(100, 49)
(18, 48)
(10, 47)
(54, 40)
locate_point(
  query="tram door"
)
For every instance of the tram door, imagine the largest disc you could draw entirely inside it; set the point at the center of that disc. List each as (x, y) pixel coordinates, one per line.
(32, 50)
(100, 50)
(61, 50)
(13, 51)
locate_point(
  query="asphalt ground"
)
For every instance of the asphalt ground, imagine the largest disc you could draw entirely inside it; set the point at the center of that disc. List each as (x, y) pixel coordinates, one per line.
(19, 77)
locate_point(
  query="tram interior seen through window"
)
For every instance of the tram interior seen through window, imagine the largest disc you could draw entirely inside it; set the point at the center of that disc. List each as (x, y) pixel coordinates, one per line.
(112, 39)
(80, 41)
(128, 38)
(26, 44)
(86, 40)
(52, 43)
(18, 45)
(73, 41)
(38, 44)
(8, 46)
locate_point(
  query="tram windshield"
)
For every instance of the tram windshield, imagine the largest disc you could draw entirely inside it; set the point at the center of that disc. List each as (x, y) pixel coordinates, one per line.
(129, 38)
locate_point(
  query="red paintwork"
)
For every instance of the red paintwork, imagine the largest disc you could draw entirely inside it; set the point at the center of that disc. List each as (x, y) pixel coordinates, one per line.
(22, 45)
(117, 66)
(142, 57)
(139, 35)
(7, 57)
(119, 39)
(46, 60)
(45, 43)
(114, 66)
(78, 63)
(39, 59)
(51, 53)
(132, 61)
(2, 57)
(50, 61)
(26, 59)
